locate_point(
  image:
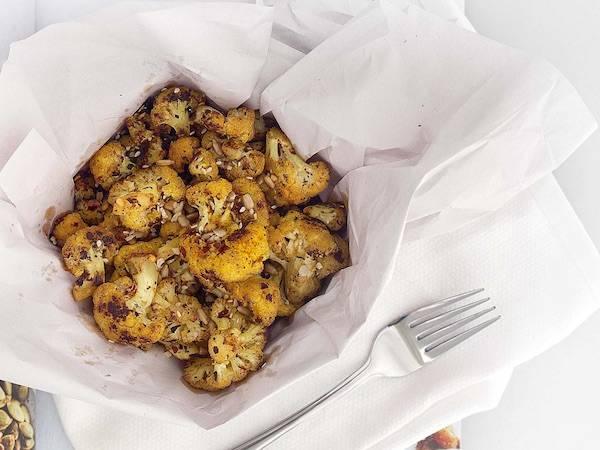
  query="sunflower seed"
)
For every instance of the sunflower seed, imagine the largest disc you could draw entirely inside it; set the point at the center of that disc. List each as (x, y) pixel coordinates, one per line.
(183, 221)
(217, 148)
(269, 182)
(26, 413)
(8, 442)
(164, 273)
(248, 202)
(165, 162)
(28, 444)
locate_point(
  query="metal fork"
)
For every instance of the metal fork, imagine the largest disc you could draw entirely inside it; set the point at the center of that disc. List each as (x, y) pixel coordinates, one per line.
(401, 348)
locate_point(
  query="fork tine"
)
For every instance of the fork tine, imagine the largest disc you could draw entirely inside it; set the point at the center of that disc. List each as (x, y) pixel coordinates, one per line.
(430, 322)
(436, 349)
(418, 313)
(434, 318)
(446, 328)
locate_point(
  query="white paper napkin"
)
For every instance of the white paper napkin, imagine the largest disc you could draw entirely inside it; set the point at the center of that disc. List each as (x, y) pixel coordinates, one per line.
(535, 260)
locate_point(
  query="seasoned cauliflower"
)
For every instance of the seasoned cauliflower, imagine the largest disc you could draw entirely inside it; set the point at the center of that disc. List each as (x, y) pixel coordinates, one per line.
(136, 199)
(174, 109)
(146, 147)
(88, 199)
(182, 152)
(171, 264)
(260, 127)
(65, 226)
(250, 201)
(169, 230)
(331, 214)
(249, 163)
(260, 295)
(123, 308)
(210, 118)
(212, 141)
(186, 332)
(110, 164)
(239, 124)
(204, 166)
(233, 355)
(127, 251)
(289, 180)
(227, 313)
(275, 272)
(309, 253)
(234, 257)
(213, 200)
(85, 254)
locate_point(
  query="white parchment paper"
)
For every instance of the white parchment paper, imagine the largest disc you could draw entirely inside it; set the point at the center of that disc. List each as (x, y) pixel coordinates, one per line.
(432, 126)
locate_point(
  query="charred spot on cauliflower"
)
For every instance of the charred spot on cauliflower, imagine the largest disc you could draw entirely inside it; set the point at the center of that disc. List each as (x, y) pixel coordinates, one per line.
(210, 118)
(146, 147)
(85, 254)
(289, 180)
(123, 308)
(333, 215)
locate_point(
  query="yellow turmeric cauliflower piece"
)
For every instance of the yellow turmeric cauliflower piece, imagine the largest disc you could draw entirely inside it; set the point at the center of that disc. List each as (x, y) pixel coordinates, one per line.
(233, 355)
(65, 226)
(145, 148)
(85, 254)
(210, 118)
(204, 166)
(186, 332)
(174, 109)
(182, 151)
(261, 296)
(136, 198)
(331, 214)
(127, 251)
(308, 251)
(213, 200)
(110, 163)
(123, 308)
(291, 180)
(239, 124)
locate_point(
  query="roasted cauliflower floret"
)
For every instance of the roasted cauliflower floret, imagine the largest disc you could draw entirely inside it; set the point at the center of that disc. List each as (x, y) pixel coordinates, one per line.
(127, 251)
(234, 257)
(65, 226)
(85, 254)
(147, 148)
(210, 118)
(289, 180)
(169, 230)
(88, 199)
(227, 313)
(182, 152)
(250, 202)
(239, 124)
(234, 354)
(212, 141)
(260, 295)
(331, 214)
(249, 163)
(136, 199)
(123, 308)
(171, 264)
(110, 163)
(213, 200)
(275, 272)
(308, 251)
(174, 109)
(186, 332)
(204, 166)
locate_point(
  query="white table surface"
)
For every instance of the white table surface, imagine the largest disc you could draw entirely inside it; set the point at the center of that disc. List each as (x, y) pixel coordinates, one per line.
(537, 412)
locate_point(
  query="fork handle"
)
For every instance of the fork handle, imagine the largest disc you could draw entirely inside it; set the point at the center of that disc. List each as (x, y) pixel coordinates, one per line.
(276, 431)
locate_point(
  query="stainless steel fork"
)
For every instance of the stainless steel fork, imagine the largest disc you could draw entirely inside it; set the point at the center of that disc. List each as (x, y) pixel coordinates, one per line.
(401, 348)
